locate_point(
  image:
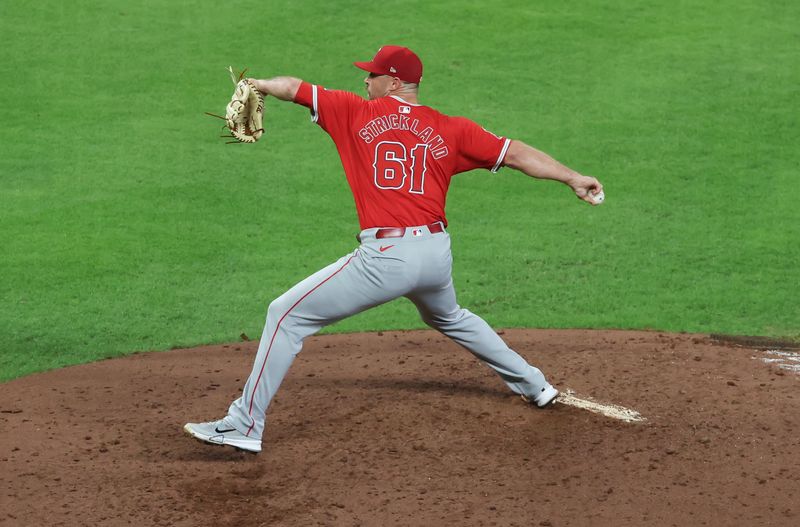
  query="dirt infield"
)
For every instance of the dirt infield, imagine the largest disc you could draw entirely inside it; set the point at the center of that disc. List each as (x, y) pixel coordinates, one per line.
(406, 428)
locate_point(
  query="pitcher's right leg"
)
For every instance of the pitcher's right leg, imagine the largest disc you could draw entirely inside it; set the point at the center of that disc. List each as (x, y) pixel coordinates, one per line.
(439, 309)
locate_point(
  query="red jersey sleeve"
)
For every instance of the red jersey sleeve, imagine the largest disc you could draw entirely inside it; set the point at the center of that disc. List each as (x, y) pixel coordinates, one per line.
(331, 109)
(479, 148)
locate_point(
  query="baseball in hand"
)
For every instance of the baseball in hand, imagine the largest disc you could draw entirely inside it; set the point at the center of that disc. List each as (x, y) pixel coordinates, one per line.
(597, 198)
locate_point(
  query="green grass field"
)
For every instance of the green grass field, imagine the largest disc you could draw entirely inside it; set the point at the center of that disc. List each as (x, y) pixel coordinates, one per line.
(123, 226)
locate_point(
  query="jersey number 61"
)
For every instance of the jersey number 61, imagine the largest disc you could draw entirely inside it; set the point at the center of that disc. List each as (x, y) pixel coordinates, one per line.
(393, 166)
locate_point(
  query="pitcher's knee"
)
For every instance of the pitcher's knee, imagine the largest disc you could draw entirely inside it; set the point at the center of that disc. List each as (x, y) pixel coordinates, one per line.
(430, 322)
(444, 321)
(278, 308)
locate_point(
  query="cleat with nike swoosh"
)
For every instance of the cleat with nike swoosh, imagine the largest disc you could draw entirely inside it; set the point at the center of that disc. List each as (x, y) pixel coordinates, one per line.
(384, 248)
(544, 398)
(222, 433)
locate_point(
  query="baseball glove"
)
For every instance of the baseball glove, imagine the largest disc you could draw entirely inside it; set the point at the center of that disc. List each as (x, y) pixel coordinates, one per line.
(244, 115)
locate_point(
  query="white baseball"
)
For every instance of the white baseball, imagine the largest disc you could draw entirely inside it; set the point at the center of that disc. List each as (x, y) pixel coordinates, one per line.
(598, 198)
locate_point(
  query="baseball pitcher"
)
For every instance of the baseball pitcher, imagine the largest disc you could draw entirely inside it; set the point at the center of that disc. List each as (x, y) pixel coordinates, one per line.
(398, 156)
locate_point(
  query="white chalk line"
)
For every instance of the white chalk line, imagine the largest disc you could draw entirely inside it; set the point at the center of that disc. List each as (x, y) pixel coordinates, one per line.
(788, 355)
(785, 360)
(609, 410)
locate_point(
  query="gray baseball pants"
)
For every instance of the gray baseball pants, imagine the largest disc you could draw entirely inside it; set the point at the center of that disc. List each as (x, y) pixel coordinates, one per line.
(417, 266)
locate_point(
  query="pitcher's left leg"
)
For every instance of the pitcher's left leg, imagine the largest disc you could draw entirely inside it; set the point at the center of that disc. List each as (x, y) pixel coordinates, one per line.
(349, 286)
(301, 311)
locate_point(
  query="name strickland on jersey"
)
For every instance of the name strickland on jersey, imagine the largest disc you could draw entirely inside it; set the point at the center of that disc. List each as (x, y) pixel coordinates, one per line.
(373, 129)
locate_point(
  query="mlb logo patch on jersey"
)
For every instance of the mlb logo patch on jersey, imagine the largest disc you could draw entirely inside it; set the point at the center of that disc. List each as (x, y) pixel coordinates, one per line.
(417, 232)
(404, 109)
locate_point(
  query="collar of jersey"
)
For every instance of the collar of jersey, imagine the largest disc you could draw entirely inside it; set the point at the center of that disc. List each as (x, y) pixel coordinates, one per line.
(404, 101)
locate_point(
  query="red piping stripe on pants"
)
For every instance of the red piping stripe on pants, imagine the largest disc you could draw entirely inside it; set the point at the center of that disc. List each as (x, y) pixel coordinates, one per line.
(263, 365)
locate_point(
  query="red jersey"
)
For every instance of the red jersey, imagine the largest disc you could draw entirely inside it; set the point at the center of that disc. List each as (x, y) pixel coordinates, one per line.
(399, 157)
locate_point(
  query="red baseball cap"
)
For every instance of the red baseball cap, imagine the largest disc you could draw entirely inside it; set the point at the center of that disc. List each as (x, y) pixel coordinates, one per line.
(396, 61)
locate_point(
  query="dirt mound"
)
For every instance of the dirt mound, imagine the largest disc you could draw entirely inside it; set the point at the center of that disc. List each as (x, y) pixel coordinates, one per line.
(406, 428)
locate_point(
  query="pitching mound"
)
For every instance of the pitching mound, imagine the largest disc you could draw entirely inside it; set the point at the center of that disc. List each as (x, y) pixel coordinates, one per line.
(406, 428)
